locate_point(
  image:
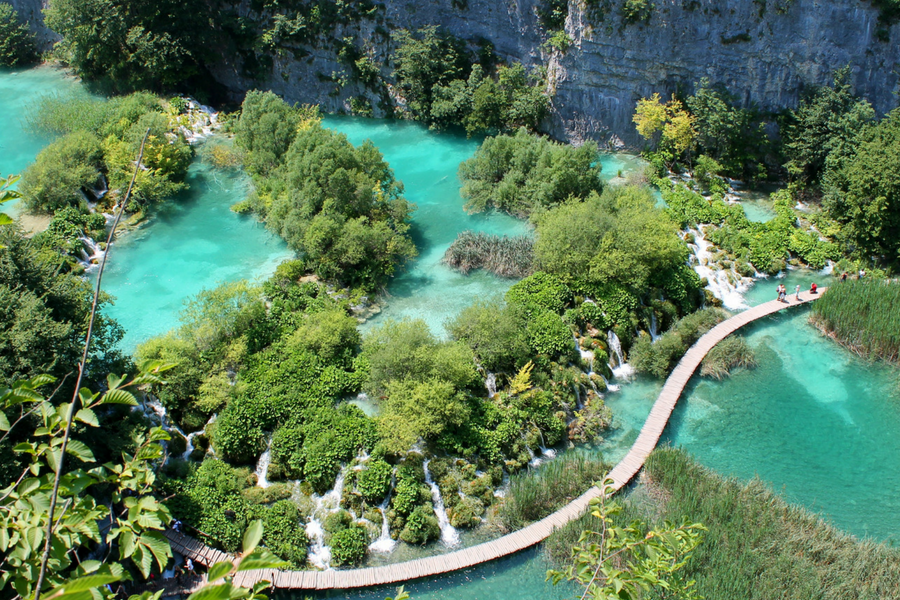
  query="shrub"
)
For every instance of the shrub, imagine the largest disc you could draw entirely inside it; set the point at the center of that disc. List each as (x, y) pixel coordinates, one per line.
(349, 546)
(284, 534)
(421, 526)
(374, 481)
(60, 173)
(541, 290)
(494, 333)
(524, 173)
(659, 358)
(548, 334)
(16, 39)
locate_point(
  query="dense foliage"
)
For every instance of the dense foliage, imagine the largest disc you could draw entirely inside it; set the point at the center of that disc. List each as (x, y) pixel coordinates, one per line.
(756, 545)
(338, 206)
(143, 44)
(862, 315)
(45, 315)
(100, 139)
(16, 39)
(660, 357)
(442, 86)
(524, 173)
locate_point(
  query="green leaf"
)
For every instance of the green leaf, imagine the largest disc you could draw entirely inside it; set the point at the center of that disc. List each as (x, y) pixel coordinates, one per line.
(5, 219)
(260, 558)
(4, 422)
(87, 416)
(158, 545)
(219, 570)
(39, 380)
(83, 584)
(80, 450)
(213, 592)
(114, 381)
(252, 536)
(119, 397)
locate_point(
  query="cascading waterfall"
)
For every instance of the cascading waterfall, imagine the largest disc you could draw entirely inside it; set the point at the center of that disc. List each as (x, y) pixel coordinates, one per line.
(490, 382)
(720, 282)
(262, 467)
(623, 370)
(449, 535)
(319, 553)
(586, 355)
(550, 453)
(653, 333)
(189, 447)
(384, 544)
(91, 254)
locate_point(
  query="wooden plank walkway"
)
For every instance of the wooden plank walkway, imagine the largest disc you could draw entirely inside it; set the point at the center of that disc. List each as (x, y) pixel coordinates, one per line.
(524, 538)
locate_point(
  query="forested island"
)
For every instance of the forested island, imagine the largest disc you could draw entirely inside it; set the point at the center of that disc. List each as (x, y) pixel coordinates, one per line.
(277, 424)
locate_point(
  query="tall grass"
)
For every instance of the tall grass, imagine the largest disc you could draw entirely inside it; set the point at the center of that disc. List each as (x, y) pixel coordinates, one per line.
(757, 546)
(731, 353)
(536, 493)
(64, 113)
(863, 316)
(502, 255)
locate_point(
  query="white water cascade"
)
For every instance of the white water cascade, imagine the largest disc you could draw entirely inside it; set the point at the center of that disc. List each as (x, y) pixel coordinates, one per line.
(586, 355)
(91, 254)
(654, 335)
(262, 466)
(319, 553)
(449, 535)
(623, 370)
(490, 382)
(384, 544)
(726, 285)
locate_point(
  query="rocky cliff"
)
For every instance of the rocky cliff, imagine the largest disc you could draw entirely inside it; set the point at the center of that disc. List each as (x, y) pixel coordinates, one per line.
(764, 51)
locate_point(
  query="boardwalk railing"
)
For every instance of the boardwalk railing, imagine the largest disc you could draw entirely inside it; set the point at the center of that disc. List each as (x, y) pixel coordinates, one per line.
(524, 538)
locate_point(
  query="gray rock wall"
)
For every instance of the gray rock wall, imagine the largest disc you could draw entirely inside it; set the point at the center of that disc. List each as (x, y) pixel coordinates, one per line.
(30, 11)
(764, 51)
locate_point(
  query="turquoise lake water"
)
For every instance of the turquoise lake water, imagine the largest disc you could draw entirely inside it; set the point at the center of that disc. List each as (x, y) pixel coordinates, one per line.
(812, 419)
(18, 90)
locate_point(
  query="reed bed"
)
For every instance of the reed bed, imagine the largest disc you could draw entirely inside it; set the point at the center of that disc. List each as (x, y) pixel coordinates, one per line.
(862, 315)
(504, 256)
(757, 545)
(534, 494)
(731, 353)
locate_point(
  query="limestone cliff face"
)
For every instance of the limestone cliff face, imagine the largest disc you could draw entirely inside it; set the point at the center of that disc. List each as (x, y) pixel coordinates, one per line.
(30, 11)
(764, 51)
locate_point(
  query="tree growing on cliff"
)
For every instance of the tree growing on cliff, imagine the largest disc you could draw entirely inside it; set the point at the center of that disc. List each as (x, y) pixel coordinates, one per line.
(668, 126)
(16, 39)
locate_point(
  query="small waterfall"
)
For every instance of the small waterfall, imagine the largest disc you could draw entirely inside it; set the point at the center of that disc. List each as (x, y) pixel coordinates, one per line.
(623, 370)
(490, 382)
(500, 492)
(550, 453)
(319, 553)
(262, 467)
(720, 282)
(449, 535)
(653, 333)
(384, 543)
(91, 254)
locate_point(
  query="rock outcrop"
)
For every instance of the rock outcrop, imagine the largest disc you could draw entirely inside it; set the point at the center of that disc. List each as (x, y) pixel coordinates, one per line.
(764, 51)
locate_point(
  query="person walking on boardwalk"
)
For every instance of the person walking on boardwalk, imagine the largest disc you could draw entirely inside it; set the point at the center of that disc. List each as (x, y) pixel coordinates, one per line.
(798, 292)
(814, 289)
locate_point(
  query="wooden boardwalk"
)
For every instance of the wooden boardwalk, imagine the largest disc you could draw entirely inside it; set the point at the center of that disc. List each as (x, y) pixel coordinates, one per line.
(524, 538)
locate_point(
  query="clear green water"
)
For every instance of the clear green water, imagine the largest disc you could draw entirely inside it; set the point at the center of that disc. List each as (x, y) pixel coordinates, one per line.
(812, 420)
(194, 242)
(18, 90)
(518, 577)
(427, 163)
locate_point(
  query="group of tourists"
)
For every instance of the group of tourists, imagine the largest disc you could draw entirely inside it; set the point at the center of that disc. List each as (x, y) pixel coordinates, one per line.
(782, 292)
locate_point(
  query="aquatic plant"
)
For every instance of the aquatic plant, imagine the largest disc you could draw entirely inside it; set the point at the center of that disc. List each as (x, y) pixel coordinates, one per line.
(862, 315)
(534, 494)
(504, 256)
(731, 353)
(757, 546)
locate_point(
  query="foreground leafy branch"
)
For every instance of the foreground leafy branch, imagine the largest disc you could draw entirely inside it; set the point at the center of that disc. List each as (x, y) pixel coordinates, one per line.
(626, 562)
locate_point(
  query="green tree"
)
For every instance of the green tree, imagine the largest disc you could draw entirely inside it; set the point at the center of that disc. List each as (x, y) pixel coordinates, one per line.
(425, 59)
(615, 237)
(864, 194)
(422, 409)
(525, 173)
(142, 44)
(824, 131)
(61, 171)
(495, 334)
(668, 126)
(16, 39)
